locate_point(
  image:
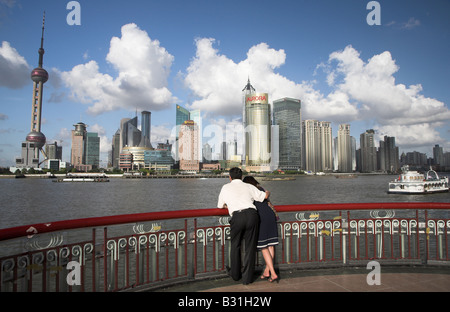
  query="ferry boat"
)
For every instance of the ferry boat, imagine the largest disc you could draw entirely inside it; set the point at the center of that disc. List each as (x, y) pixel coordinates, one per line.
(413, 182)
(84, 178)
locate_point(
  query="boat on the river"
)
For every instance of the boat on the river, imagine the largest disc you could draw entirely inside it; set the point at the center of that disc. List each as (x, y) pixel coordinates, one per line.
(413, 182)
(87, 177)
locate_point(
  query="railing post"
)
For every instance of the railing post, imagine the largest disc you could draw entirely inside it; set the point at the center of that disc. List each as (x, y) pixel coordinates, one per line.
(344, 238)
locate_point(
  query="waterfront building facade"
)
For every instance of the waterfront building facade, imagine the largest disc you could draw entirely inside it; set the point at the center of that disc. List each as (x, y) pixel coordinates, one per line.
(115, 150)
(344, 149)
(85, 152)
(257, 132)
(183, 115)
(126, 161)
(137, 157)
(287, 117)
(368, 152)
(388, 156)
(77, 155)
(188, 146)
(53, 151)
(317, 146)
(92, 149)
(130, 135)
(438, 155)
(145, 129)
(158, 160)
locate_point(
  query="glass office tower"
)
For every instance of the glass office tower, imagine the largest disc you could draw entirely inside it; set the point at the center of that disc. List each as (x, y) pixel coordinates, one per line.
(287, 116)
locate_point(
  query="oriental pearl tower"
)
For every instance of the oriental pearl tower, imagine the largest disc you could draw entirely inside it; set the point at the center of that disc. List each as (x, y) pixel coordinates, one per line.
(39, 76)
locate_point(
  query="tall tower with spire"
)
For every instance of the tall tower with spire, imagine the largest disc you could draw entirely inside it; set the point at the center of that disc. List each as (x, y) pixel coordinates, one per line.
(35, 140)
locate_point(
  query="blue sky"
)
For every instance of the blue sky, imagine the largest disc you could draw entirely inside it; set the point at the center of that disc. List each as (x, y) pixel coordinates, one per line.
(135, 55)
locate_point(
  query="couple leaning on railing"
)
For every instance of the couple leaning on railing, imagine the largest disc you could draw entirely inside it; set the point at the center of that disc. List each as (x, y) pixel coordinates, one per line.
(253, 220)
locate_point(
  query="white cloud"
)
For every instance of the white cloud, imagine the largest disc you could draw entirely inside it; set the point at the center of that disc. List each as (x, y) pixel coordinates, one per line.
(360, 90)
(142, 68)
(411, 136)
(14, 69)
(398, 110)
(216, 81)
(373, 86)
(411, 23)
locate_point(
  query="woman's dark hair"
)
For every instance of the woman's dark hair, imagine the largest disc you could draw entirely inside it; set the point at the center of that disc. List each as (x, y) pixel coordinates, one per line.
(235, 173)
(251, 180)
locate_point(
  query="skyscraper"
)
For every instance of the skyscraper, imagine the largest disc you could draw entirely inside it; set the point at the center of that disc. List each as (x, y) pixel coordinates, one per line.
(35, 140)
(368, 153)
(92, 149)
(287, 116)
(130, 135)
(344, 149)
(257, 130)
(85, 154)
(317, 146)
(145, 129)
(438, 155)
(78, 144)
(183, 115)
(388, 156)
(188, 146)
(115, 149)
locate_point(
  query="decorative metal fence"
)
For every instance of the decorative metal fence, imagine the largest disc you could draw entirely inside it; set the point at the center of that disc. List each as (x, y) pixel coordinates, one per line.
(154, 249)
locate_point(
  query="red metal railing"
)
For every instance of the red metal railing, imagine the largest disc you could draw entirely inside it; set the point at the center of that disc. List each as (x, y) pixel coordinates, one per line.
(189, 243)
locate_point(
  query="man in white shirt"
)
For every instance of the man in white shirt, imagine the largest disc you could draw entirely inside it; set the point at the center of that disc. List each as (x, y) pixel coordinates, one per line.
(238, 197)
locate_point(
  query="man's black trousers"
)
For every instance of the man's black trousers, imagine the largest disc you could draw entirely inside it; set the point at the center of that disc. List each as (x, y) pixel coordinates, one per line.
(244, 227)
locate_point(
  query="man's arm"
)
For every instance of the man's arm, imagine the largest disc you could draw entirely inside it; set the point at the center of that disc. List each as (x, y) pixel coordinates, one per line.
(221, 203)
(258, 195)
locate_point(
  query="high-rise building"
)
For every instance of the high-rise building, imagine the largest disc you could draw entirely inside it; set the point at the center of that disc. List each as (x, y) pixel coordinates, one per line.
(35, 140)
(368, 153)
(92, 149)
(438, 155)
(85, 153)
(196, 116)
(145, 129)
(257, 130)
(344, 149)
(188, 146)
(317, 146)
(388, 156)
(115, 150)
(53, 151)
(287, 116)
(183, 115)
(130, 135)
(78, 144)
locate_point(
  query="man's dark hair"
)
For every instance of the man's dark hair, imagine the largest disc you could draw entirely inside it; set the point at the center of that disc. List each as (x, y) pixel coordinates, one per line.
(235, 173)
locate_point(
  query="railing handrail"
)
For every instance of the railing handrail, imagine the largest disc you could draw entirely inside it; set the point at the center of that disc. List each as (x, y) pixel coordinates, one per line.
(40, 228)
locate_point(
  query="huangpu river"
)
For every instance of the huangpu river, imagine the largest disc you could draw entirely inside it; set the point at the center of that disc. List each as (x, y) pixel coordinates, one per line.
(33, 200)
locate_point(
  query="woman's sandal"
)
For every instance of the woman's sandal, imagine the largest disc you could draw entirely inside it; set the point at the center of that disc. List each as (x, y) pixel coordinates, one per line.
(271, 280)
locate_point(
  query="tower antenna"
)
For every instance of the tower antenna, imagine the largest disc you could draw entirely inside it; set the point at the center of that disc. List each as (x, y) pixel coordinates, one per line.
(41, 49)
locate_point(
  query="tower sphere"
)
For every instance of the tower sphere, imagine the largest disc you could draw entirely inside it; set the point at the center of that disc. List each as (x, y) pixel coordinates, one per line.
(39, 74)
(38, 138)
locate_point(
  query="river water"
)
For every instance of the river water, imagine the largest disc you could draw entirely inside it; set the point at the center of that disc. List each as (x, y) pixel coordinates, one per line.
(31, 201)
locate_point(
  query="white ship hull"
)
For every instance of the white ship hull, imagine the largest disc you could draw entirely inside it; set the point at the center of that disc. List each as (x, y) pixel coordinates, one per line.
(412, 182)
(418, 188)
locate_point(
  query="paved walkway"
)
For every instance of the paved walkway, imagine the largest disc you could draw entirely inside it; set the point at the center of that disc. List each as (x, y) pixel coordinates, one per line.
(409, 279)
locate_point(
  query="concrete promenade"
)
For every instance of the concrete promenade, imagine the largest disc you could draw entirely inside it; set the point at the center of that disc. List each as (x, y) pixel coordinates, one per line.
(393, 279)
